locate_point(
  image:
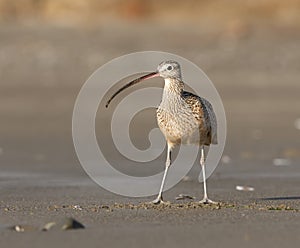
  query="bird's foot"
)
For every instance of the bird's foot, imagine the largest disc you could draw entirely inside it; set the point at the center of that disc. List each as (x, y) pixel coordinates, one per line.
(205, 200)
(158, 200)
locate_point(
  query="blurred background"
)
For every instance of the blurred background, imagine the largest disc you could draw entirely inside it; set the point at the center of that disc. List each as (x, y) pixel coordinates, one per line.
(249, 48)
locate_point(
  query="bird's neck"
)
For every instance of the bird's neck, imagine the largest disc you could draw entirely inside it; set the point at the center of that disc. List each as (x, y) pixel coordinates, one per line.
(173, 86)
(172, 92)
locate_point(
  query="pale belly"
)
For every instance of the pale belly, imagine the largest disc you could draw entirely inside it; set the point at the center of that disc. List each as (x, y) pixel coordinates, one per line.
(180, 128)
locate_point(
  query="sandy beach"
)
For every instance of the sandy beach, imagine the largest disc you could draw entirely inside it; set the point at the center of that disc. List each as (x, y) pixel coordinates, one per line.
(257, 75)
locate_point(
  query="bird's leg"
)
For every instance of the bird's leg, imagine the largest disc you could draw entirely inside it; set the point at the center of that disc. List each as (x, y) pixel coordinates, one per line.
(159, 198)
(205, 199)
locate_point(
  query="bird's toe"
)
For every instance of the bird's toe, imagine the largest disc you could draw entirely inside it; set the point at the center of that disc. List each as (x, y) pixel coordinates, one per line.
(207, 201)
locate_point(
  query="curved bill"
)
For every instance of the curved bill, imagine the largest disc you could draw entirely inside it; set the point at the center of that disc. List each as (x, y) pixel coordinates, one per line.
(150, 75)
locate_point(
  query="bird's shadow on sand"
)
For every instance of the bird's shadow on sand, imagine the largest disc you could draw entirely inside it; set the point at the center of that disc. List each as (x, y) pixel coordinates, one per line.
(280, 198)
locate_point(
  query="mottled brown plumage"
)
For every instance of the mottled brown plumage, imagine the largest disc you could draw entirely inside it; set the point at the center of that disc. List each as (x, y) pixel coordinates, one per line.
(183, 118)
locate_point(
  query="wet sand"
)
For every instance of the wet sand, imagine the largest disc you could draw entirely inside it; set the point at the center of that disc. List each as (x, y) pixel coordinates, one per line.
(41, 179)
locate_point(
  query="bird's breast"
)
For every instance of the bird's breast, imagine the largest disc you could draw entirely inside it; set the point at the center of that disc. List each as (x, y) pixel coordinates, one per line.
(178, 124)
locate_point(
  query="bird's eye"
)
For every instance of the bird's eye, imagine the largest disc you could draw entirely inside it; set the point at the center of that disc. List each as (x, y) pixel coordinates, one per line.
(170, 68)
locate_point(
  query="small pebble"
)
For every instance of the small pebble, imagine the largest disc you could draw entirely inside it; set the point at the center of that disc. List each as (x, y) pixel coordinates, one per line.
(281, 162)
(19, 228)
(64, 224)
(183, 197)
(53, 207)
(70, 223)
(77, 207)
(48, 226)
(244, 188)
(23, 228)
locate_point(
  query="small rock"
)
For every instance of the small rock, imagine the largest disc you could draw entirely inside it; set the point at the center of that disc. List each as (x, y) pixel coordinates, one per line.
(244, 188)
(23, 228)
(65, 224)
(70, 223)
(48, 226)
(53, 207)
(19, 228)
(281, 162)
(183, 197)
(77, 207)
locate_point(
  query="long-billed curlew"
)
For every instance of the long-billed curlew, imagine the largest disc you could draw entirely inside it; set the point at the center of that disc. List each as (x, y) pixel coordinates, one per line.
(183, 118)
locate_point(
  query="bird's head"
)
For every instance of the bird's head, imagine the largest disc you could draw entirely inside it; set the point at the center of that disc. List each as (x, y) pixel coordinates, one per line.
(169, 69)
